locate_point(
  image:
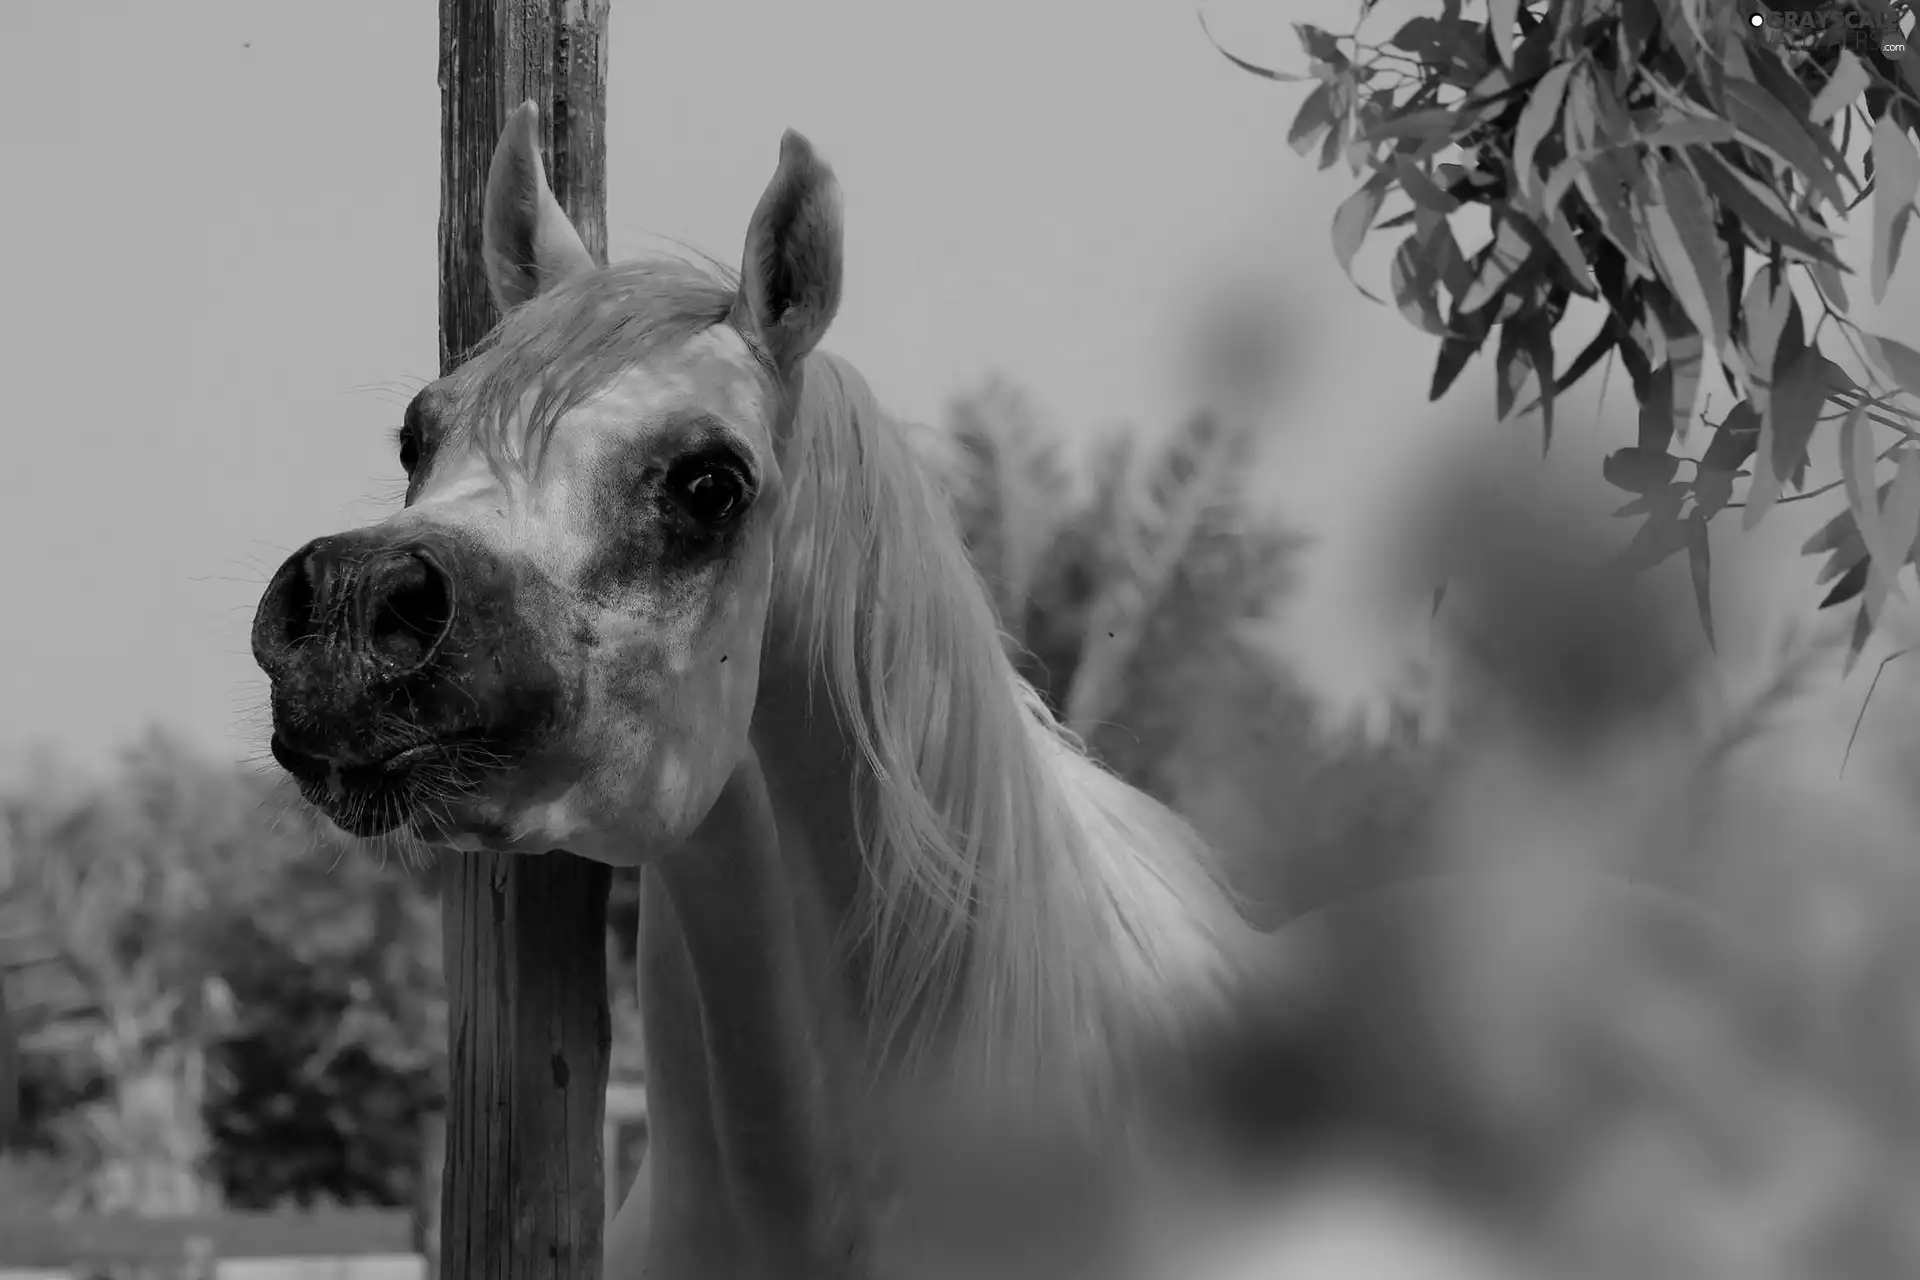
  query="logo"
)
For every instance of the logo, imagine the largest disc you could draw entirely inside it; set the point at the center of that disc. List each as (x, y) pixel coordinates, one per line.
(1866, 26)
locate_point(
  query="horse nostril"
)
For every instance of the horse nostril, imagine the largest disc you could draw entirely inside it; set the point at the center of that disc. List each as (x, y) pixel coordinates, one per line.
(288, 614)
(297, 612)
(408, 607)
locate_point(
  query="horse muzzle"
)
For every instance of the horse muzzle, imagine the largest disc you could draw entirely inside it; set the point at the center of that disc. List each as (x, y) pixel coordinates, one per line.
(400, 672)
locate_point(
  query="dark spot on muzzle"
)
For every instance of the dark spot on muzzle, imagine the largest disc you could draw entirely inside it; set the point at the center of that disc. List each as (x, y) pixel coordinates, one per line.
(400, 669)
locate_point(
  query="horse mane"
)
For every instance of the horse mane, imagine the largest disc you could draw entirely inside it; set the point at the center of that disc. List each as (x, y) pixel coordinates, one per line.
(1031, 917)
(1031, 920)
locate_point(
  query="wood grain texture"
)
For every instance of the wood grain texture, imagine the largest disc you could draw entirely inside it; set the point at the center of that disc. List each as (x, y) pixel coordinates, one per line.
(494, 55)
(525, 937)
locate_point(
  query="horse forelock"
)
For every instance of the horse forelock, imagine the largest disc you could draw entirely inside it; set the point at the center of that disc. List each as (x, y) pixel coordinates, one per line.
(556, 351)
(1031, 917)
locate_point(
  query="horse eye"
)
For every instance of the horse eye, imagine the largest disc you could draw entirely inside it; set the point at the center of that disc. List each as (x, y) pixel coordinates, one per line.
(711, 493)
(409, 451)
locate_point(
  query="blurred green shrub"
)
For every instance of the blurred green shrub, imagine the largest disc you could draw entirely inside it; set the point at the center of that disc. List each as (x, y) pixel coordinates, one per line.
(216, 999)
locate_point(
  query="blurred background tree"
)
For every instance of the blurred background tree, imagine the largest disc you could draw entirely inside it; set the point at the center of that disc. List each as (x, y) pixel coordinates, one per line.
(216, 1000)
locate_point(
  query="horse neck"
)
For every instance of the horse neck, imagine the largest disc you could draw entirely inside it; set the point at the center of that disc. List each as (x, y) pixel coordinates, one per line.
(936, 1186)
(749, 1051)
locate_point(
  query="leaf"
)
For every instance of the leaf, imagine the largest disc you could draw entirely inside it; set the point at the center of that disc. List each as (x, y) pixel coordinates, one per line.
(1558, 181)
(1321, 46)
(1832, 288)
(1759, 116)
(1898, 359)
(1900, 523)
(1840, 533)
(1849, 80)
(1700, 567)
(1353, 219)
(1510, 369)
(1360, 152)
(1638, 470)
(1454, 353)
(1773, 394)
(1679, 23)
(1613, 185)
(1499, 262)
(1536, 121)
(1266, 72)
(1773, 75)
(1640, 21)
(1579, 269)
(1502, 17)
(1856, 476)
(1335, 142)
(1760, 210)
(1668, 402)
(1539, 339)
(1851, 583)
(1549, 237)
(1579, 119)
(1793, 410)
(1590, 355)
(1420, 188)
(1314, 118)
(1685, 356)
(1862, 632)
(1767, 308)
(1732, 444)
(1526, 350)
(1838, 379)
(1433, 122)
(1681, 228)
(1417, 35)
(1685, 130)
(1413, 281)
(1896, 178)
(1449, 262)
(1660, 536)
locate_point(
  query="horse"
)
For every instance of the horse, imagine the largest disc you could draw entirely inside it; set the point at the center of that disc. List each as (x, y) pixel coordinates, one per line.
(926, 990)
(670, 590)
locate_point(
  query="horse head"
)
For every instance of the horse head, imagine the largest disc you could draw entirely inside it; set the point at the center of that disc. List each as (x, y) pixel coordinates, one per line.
(556, 642)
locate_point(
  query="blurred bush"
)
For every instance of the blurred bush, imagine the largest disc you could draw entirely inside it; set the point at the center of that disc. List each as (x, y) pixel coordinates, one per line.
(216, 999)
(1648, 1013)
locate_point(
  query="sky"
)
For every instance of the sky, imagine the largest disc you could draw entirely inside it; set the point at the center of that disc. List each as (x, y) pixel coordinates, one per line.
(220, 289)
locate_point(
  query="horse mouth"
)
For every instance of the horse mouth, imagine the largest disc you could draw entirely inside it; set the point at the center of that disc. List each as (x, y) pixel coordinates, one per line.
(369, 798)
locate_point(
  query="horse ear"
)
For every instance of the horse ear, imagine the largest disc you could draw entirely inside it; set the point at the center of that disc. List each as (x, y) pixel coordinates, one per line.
(790, 275)
(526, 241)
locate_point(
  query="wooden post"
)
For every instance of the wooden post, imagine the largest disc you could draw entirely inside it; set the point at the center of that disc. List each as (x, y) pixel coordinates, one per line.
(526, 953)
(9, 1069)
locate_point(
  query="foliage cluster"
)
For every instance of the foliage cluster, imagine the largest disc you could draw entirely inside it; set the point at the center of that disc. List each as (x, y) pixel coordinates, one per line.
(1686, 167)
(217, 999)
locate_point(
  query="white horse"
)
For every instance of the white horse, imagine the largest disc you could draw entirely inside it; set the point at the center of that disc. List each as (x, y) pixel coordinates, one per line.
(919, 978)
